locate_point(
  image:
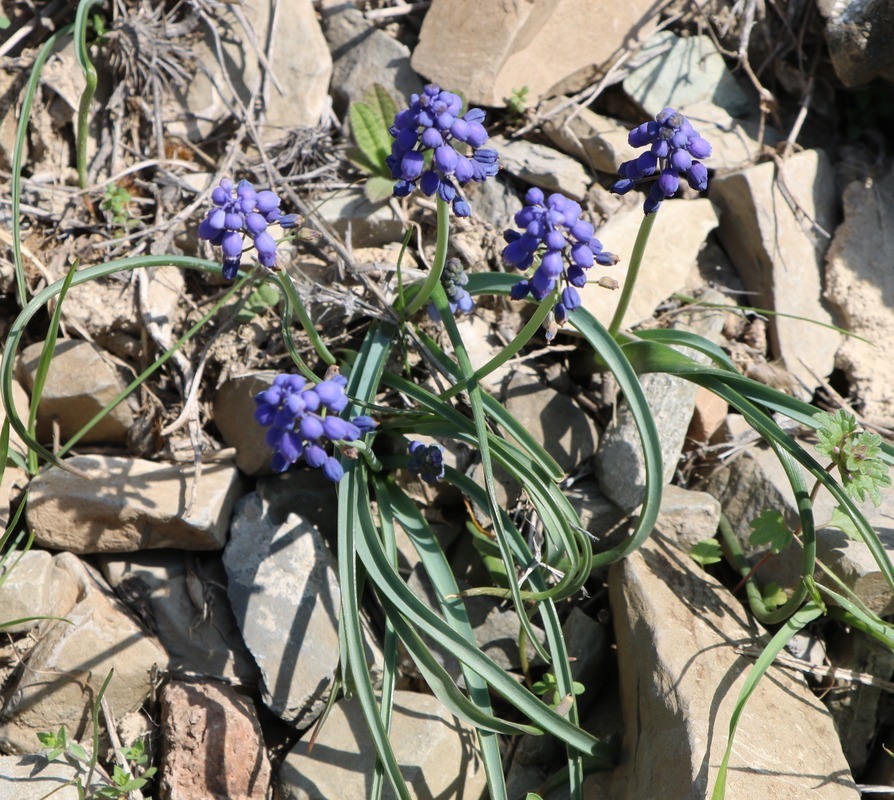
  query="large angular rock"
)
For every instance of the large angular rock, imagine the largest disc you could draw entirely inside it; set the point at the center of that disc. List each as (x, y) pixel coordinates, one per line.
(36, 585)
(620, 465)
(860, 286)
(435, 751)
(684, 70)
(681, 229)
(212, 744)
(284, 593)
(32, 776)
(755, 481)
(677, 631)
(65, 670)
(369, 224)
(117, 505)
(296, 94)
(495, 47)
(182, 598)
(234, 408)
(859, 34)
(779, 257)
(80, 382)
(362, 55)
(542, 166)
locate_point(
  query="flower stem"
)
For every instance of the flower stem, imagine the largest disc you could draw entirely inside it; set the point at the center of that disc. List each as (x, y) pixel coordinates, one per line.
(83, 58)
(304, 318)
(521, 339)
(636, 260)
(434, 277)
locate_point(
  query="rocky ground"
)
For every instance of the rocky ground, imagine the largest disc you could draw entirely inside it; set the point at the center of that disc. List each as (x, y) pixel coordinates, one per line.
(180, 562)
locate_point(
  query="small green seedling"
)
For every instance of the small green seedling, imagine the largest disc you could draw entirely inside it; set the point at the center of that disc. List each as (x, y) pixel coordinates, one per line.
(706, 552)
(116, 203)
(548, 688)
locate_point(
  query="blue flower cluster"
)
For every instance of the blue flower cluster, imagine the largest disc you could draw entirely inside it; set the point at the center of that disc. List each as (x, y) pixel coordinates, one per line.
(242, 211)
(433, 123)
(673, 152)
(303, 418)
(426, 461)
(454, 279)
(553, 231)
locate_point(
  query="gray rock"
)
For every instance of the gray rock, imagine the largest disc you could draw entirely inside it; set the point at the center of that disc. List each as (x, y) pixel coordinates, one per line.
(364, 223)
(435, 751)
(755, 481)
(860, 286)
(779, 257)
(620, 466)
(35, 585)
(182, 598)
(212, 745)
(682, 71)
(284, 593)
(117, 505)
(362, 55)
(859, 34)
(32, 776)
(597, 141)
(300, 63)
(80, 382)
(598, 515)
(234, 408)
(494, 48)
(677, 630)
(681, 229)
(542, 166)
(69, 664)
(856, 706)
(493, 201)
(688, 516)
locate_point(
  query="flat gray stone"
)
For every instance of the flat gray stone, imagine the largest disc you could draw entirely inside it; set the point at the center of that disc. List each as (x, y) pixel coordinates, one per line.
(860, 287)
(370, 224)
(363, 54)
(620, 465)
(234, 409)
(684, 70)
(182, 598)
(284, 593)
(494, 48)
(681, 228)
(68, 665)
(118, 505)
(677, 631)
(33, 776)
(80, 382)
(36, 585)
(540, 165)
(436, 752)
(779, 257)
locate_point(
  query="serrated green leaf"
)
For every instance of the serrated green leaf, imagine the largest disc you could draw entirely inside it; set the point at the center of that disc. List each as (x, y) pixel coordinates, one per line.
(705, 552)
(770, 529)
(378, 189)
(841, 520)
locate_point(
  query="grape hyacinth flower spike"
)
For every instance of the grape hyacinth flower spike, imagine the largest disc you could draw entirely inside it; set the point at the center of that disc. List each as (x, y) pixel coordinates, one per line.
(554, 233)
(674, 152)
(302, 418)
(426, 461)
(242, 211)
(454, 280)
(433, 124)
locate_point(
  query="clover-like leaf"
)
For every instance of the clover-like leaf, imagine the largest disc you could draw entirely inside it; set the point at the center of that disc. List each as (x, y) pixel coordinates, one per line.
(770, 529)
(774, 596)
(705, 552)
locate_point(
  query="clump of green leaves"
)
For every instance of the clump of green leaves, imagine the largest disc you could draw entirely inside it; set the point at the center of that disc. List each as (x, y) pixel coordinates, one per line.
(371, 119)
(855, 452)
(122, 782)
(116, 202)
(548, 689)
(517, 102)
